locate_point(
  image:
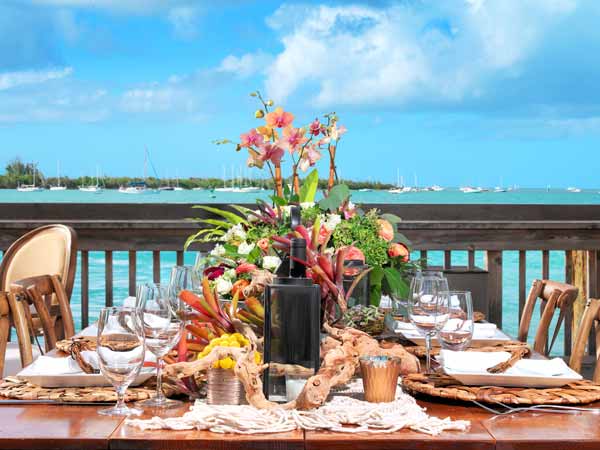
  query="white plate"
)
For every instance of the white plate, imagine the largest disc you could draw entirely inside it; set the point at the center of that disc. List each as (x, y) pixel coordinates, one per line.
(492, 379)
(469, 368)
(480, 339)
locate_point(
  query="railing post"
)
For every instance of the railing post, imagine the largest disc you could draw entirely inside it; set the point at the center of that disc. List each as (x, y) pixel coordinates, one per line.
(522, 280)
(156, 266)
(85, 289)
(578, 274)
(132, 272)
(493, 265)
(108, 277)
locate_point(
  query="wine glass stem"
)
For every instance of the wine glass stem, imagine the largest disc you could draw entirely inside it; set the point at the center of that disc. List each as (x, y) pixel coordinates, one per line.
(428, 352)
(159, 393)
(120, 397)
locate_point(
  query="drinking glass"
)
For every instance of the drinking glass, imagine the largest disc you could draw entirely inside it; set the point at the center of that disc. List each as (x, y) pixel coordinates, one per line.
(200, 262)
(457, 332)
(121, 352)
(400, 303)
(428, 308)
(183, 278)
(162, 329)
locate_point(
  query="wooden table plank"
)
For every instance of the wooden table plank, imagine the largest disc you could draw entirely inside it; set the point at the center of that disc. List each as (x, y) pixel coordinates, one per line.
(130, 438)
(49, 427)
(539, 431)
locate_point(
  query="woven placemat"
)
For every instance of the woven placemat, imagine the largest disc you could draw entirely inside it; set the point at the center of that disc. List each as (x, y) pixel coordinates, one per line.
(506, 346)
(23, 390)
(444, 386)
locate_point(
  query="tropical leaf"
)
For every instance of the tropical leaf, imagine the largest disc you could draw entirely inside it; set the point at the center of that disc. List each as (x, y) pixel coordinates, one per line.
(242, 209)
(309, 187)
(375, 279)
(393, 282)
(392, 218)
(228, 215)
(278, 201)
(338, 195)
(401, 239)
(216, 223)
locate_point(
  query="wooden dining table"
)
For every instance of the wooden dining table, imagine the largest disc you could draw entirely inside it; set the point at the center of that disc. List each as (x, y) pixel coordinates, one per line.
(78, 427)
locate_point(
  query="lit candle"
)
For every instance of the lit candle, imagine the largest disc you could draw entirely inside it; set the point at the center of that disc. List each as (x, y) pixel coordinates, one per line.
(293, 387)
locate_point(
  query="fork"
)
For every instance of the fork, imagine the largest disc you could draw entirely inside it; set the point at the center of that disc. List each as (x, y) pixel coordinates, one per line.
(556, 409)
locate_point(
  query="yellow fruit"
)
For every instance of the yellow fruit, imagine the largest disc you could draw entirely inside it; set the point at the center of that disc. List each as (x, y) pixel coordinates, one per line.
(234, 344)
(257, 358)
(216, 365)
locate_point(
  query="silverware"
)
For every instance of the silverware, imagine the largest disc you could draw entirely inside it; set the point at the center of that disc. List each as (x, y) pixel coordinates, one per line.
(556, 409)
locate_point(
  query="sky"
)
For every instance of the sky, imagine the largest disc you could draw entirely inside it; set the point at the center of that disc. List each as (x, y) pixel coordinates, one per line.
(456, 92)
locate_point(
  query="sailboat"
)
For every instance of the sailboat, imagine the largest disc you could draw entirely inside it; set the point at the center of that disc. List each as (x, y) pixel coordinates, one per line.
(400, 188)
(177, 187)
(58, 186)
(140, 187)
(30, 187)
(574, 189)
(225, 188)
(95, 188)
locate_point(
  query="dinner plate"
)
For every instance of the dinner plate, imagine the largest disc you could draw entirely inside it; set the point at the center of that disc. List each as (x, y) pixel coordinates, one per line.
(469, 368)
(77, 379)
(482, 337)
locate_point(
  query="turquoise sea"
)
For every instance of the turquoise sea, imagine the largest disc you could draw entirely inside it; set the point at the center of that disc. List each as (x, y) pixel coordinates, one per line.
(452, 196)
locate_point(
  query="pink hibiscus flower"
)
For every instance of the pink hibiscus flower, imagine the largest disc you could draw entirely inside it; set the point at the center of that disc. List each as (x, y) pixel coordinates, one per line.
(279, 118)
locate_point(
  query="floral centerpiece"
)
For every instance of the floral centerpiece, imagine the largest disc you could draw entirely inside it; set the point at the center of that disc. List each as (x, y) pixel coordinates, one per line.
(250, 242)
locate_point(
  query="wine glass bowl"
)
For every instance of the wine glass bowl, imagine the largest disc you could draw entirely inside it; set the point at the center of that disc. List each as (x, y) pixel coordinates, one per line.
(427, 308)
(457, 332)
(121, 351)
(162, 329)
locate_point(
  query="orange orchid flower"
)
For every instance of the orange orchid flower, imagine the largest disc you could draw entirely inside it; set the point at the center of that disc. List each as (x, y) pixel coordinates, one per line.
(279, 118)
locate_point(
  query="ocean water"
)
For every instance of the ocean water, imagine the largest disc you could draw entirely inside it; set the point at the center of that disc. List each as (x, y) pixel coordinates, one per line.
(144, 259)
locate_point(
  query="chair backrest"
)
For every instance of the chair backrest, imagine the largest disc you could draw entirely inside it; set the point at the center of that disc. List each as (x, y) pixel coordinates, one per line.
(48, 250)
(552, 295)
(4, 326)
(590, 319)
(55, 319)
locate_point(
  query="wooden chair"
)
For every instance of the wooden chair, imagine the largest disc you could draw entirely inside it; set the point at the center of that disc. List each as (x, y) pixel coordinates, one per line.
(48, 250)
(552, 295)
(14, 355)
(49, 299)
(590, 319)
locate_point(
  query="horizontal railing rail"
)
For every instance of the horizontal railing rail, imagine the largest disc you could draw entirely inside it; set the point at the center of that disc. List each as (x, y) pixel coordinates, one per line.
(475, 229)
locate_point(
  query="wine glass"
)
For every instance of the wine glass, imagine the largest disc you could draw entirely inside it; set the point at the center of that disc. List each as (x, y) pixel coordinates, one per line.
(162, 329)
(183, 278)
(457, 332)
(121, 350)
(200, 262)
(428, 308)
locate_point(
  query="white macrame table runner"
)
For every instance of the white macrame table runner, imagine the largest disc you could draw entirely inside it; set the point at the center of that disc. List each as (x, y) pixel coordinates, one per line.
(340, 414)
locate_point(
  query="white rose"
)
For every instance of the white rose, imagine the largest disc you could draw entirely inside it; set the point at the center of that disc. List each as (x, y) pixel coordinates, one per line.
(306, 205)
(229, 274)
(245, 248)
(219, 250)
(271, 263)
(223, 285)
(235, 234)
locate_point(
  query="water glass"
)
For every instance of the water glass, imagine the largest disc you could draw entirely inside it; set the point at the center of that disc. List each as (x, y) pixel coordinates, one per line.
(458, 330)
(121, 352)
(400, 304)
(428, 308)
(162, 329)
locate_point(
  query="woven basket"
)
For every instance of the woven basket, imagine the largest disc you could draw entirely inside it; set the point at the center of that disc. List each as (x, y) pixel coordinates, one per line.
(507, 346)
(444, 386)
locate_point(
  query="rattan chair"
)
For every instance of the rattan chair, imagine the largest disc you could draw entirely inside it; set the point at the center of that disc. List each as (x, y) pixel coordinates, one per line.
(552, 295)
(48, 250)
(589, 320)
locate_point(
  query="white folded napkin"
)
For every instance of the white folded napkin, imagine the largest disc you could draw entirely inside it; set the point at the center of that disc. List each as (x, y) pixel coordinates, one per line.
(480, 330)
(47, 365)
(479, 362)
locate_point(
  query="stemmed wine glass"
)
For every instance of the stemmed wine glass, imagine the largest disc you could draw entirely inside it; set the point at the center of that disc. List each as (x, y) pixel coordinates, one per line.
(121, 350)
(457, 332)
(162, 328)
(183, 278)
(428, 308)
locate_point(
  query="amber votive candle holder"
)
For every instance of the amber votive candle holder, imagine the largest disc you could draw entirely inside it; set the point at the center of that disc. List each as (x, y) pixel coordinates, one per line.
(380, 378)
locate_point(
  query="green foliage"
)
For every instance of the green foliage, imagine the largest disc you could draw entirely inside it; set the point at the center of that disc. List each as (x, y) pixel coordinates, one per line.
(309, 187)
(228, 215)
(338, 195)
(309, 215)
(362, 232)
(375, 279)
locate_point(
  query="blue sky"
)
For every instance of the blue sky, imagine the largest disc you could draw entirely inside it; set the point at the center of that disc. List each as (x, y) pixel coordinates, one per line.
(456, 91)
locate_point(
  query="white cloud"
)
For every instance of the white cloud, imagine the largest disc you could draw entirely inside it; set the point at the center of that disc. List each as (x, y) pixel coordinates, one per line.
(10, 80)
(359, 54)
(184, 20)
(245, 65)
(156, 98)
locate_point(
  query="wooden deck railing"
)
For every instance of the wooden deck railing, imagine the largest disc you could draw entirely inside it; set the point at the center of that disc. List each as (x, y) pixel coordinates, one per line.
(493, 229)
